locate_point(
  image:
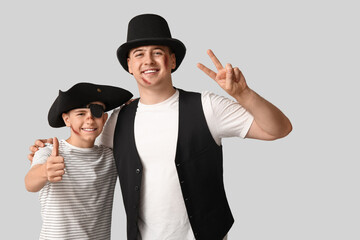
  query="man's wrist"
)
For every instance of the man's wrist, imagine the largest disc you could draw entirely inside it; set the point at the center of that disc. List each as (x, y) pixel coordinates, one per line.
(244, 98)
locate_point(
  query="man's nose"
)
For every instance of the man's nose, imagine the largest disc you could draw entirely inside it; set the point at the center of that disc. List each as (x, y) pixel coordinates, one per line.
(149, 58)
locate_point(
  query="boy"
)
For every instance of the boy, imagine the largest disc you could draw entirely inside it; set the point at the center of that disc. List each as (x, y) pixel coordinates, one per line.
(76, 188)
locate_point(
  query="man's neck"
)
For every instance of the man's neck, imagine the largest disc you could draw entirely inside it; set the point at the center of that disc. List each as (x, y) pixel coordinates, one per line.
(154, 96)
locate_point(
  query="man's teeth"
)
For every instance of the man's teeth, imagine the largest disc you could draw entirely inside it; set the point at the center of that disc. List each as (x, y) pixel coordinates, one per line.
(150, 71)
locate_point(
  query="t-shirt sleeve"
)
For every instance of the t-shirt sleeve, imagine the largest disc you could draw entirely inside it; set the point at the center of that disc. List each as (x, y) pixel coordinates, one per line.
(225, 117)
(107, 136)
(41, 156)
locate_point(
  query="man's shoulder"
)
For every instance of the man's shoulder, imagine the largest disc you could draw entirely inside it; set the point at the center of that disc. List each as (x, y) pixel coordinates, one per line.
(187, 91)
(208, 98)
(114, 115)
(127, 107)
(116, 111)
(186, 94)
(203, 93)
(214, 98)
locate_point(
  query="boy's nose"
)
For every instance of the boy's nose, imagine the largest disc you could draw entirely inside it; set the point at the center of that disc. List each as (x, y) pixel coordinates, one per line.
(89, 116)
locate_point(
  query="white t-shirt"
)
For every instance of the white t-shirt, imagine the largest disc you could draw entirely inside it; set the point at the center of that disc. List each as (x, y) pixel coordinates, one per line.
(80, 205)
(162, 209)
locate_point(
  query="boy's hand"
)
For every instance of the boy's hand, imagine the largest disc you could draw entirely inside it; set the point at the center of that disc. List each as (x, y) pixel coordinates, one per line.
(55, 166)
(35, 147)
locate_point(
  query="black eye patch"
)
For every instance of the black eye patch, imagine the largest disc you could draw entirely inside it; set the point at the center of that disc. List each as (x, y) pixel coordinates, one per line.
(96, 110)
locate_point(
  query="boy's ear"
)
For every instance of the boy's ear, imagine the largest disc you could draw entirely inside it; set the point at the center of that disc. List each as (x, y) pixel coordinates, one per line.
(66, 119)
(105, 117)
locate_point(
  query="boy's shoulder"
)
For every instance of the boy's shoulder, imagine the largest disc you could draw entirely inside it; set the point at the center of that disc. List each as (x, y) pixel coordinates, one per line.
(104, 148)
(42, 154)
(45, 150)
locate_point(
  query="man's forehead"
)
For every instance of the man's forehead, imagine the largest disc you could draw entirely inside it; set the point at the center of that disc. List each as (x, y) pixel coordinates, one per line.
(147, 47)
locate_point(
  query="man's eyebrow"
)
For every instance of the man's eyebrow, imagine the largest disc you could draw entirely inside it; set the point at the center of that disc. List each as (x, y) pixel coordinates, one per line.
(137, 50)
(160, 48)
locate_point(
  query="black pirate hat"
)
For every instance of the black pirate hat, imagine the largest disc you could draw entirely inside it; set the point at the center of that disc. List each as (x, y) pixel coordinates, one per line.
(82, 94)
(150, 29)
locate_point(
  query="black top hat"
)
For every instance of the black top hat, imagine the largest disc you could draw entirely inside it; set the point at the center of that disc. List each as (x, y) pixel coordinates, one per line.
(150, 29)
(82, 94)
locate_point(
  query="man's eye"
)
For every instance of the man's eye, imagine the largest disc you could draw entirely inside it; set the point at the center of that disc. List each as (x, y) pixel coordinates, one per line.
(139, 55)
(80, 114)
(158, 53)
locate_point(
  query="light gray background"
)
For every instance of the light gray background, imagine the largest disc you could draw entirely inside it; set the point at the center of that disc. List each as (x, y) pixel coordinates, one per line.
(303, 56)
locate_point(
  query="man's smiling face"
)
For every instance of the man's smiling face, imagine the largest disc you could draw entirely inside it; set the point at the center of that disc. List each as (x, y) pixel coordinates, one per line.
(151, 65)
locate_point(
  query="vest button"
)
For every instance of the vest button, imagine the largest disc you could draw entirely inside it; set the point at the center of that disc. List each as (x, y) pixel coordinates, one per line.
(136, 188)
(181, 182)
(178, 165)
(137, 171)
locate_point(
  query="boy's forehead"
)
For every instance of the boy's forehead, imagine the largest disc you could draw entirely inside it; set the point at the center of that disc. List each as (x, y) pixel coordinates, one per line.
(96, 108)
(87, 105)
(97, 102)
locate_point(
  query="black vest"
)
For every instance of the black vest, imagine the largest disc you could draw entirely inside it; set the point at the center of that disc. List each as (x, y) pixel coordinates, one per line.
(199, 166)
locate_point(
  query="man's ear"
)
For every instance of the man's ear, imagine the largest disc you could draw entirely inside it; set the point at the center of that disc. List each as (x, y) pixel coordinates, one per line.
(173, 61)
(129, 68)
(66, 119)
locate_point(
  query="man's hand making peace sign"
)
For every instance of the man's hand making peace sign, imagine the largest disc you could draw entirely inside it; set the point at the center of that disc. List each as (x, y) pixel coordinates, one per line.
(269, 122)
(230, 79)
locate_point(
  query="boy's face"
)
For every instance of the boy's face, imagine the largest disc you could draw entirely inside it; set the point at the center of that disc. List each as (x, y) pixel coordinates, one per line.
(151, 65)
(84, 126)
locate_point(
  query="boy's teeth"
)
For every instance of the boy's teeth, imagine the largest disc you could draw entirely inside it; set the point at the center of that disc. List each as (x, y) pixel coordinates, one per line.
(89, 129)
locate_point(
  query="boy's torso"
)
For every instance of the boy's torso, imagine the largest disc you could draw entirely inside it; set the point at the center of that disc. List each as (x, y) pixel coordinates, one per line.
(80, 205)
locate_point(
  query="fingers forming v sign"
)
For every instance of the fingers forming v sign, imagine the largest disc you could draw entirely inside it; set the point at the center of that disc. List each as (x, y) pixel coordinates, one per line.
(217, 64)
(230, 79)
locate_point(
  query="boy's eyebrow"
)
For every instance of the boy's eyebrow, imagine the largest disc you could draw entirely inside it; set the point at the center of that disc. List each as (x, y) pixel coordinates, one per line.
(80, 109)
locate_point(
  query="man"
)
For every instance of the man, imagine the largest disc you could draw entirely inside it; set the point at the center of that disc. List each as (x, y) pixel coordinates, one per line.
(167, 144)
(170, 168)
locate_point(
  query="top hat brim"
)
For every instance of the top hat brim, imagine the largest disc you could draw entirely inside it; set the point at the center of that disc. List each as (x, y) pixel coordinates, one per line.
(177, 47)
